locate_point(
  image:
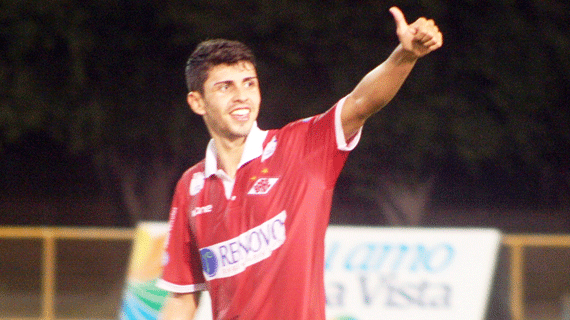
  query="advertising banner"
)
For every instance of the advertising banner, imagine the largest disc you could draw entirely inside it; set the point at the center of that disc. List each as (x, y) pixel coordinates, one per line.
(141, 298)
(409, 273)
(370, 273)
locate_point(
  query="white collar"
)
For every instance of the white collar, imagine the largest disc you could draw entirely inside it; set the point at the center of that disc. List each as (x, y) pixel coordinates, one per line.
(253, 149)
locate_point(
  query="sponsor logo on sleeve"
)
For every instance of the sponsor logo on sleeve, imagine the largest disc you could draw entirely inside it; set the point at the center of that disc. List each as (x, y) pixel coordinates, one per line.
(262, 185)
(233, 256)
(197, 183)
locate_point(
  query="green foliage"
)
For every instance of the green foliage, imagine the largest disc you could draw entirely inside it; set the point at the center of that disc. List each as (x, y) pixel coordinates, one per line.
(105, 77)
(496, 92)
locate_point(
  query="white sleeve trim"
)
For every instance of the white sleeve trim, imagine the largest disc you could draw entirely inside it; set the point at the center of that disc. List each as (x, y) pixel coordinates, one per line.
(339, 132)
(165, 285)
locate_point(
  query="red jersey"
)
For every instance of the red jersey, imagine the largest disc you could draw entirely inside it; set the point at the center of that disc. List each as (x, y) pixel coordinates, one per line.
(257, 243)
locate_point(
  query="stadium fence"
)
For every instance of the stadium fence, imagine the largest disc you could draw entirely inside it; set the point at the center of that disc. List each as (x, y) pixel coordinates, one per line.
(50, 237)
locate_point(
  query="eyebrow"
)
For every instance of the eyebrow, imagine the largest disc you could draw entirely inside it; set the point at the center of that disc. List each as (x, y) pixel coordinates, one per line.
(231, 81)
(223, 82)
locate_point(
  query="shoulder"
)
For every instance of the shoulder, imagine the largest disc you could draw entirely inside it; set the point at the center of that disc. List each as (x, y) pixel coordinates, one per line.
(198, 167)
(305, 122)
(310, 125)
(308, 122)
(192, 172)
(297, 127)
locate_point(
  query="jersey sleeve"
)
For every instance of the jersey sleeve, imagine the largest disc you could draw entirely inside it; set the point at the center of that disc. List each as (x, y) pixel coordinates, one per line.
(341, 141)
(326, 128)
(182, 267)
(326, 147)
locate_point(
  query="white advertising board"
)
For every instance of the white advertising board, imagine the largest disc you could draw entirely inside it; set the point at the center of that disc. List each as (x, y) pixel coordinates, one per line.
(400, 273)
(370, 273)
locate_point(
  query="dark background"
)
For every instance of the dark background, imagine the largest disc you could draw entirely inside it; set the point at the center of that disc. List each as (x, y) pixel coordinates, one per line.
(94, 129)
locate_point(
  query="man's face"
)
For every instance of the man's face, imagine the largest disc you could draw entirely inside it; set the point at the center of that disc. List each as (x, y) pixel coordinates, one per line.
(230, 102)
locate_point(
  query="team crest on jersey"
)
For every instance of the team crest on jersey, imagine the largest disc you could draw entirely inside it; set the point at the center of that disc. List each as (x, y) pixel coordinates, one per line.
(197, 183)
(233, 256)
(263, 185)
(269, 149)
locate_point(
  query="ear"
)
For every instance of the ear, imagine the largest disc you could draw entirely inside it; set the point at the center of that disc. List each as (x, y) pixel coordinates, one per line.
(196, 102)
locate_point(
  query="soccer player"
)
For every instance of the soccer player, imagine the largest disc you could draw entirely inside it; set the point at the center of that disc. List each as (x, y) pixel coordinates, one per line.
(248, 222)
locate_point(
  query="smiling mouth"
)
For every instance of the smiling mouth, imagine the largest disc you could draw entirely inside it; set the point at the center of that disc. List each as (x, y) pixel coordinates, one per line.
(241, 114)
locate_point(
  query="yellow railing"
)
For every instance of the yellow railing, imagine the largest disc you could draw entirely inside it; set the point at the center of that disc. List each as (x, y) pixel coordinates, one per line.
(49, 236)
(517, 245)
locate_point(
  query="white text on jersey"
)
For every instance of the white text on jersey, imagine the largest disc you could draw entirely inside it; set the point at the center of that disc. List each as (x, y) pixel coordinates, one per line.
(199, 210)
(231, 257)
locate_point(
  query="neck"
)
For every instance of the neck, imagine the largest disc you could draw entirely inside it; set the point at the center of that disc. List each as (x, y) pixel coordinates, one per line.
(229, 154)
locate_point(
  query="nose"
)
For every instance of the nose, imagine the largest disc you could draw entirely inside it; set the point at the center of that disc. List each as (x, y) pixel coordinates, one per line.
(240, 94)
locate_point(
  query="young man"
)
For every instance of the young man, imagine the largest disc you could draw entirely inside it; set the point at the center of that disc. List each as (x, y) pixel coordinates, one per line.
(248, 222)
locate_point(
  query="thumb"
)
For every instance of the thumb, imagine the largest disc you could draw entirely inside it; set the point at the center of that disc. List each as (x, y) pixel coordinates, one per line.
(401, 23)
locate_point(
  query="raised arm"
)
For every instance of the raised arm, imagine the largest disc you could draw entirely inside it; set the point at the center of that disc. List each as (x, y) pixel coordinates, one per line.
(381, 84)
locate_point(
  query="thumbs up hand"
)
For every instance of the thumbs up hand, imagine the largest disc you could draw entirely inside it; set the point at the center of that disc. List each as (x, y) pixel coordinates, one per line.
(419, 38)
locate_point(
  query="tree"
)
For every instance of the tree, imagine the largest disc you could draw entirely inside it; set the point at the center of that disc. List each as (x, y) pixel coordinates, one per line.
(106, 80)
(103, 79)
(493, 99)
